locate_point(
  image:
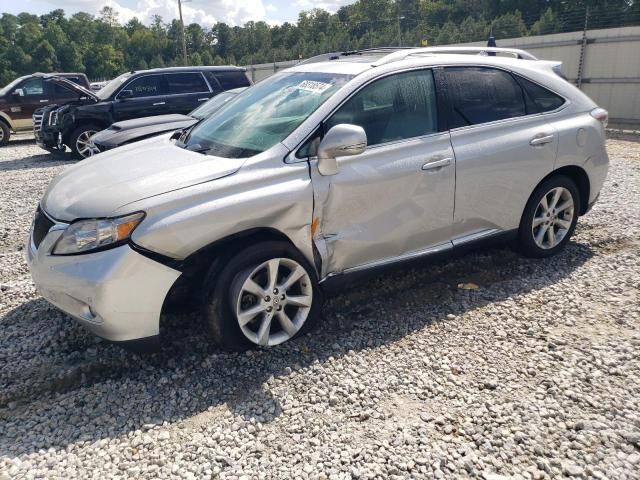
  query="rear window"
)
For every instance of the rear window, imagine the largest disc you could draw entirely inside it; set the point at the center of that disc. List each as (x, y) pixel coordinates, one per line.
(229, 80)
(543, 99)
(185, 83)
(481, 95)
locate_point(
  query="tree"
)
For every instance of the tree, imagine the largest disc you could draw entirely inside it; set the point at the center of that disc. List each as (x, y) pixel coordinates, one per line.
(548, 23)
(44, 58)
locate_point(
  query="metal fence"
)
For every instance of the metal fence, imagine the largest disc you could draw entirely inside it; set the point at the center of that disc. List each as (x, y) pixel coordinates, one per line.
(605, 64)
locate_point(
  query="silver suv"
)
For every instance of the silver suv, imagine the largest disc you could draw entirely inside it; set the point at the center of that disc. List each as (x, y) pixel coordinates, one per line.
(329, 168)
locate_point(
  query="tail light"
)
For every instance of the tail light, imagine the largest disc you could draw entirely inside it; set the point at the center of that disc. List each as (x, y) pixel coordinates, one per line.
(601, 115)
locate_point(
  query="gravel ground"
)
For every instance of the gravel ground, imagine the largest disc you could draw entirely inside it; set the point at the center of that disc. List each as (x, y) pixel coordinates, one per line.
(418, 374)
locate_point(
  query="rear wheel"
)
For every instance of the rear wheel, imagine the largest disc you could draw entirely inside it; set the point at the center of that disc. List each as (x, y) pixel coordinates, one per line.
(550, 217)
(80, 140)
(264, 296)
(5, 133)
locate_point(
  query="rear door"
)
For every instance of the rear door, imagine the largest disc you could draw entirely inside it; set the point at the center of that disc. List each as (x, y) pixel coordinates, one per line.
(147, 98)
(503, 148)
(185, 91)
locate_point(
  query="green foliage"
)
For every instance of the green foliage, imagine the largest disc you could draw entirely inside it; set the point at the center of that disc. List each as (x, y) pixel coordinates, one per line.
(103, 48)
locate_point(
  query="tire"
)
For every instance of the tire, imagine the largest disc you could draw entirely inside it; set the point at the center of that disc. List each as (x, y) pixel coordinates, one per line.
(553, 227)
(5, 134)
(226, 293)
(79, 137)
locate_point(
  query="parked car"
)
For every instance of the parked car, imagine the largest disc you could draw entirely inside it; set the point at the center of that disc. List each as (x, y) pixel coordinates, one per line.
(320, 172)
(95, 86)
(20, 99)
(131, 95)
(128, 131)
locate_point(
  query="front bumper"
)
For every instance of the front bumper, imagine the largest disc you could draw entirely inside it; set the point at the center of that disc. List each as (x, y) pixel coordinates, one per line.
(117, 293)
(48, 140)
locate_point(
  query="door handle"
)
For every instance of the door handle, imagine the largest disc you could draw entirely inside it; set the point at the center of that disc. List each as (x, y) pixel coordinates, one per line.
(203, 99)
(44, 101)
(437, 164)
(158, 103)
(541, 139)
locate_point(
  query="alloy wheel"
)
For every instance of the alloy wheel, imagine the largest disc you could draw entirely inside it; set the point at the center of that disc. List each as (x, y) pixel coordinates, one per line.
(272, 301)
(553, 218)
(83, 143)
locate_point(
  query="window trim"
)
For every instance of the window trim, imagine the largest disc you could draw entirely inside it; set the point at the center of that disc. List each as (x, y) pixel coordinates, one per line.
(291, 157)
(502, 121)
(131, 80)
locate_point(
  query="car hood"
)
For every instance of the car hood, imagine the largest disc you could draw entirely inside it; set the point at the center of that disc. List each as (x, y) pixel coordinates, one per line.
(98, 186)
(148, 121)
(69, 85)
(132, 130)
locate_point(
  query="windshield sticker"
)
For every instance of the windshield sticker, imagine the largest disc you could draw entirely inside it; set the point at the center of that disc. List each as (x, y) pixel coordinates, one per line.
(313, 86)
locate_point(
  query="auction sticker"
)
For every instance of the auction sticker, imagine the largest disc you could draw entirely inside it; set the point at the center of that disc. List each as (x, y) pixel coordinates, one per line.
(313, 87)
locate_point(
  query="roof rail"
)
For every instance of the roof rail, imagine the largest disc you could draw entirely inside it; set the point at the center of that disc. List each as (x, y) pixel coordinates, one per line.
(403, 54)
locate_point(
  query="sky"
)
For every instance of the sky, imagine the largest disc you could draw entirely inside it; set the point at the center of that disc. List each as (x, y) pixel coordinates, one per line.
(204, 12)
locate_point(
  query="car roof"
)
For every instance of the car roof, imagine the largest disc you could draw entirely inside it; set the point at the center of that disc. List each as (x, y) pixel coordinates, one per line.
(357, 64)
(219, 68)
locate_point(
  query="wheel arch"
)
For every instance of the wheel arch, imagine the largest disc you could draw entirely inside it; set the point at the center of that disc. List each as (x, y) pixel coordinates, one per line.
(4, 118)
(210, 259)
(581, 179)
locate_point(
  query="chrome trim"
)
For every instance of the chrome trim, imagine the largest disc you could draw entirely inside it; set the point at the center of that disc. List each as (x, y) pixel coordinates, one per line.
(472, 237)
(37, 121)
(442, 247)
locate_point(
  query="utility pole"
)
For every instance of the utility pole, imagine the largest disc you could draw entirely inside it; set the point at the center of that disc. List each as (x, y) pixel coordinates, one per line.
(184, 40)
(399, 30)
(583, 47)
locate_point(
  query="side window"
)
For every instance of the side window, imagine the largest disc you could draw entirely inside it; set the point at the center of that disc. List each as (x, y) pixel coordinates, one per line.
(58, 91)
(393, 108)
(34, 87)
(229, 80)
(185, 83)
(544, 100)
(481, 95)
(145, 86)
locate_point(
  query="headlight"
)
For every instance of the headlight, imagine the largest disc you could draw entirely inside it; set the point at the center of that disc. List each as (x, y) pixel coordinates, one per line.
(98, 233)
(53, 117)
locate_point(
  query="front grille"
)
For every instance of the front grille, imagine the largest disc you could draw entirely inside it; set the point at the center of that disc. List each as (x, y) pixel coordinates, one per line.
(41, 226)
(37, 121)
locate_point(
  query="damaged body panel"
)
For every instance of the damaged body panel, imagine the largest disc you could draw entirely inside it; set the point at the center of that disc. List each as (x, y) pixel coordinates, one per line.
(387, 202)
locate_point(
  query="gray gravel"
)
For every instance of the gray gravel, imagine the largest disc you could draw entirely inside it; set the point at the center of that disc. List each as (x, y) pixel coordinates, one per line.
(419, 374)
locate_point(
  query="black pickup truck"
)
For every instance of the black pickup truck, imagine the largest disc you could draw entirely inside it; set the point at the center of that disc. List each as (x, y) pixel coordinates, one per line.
(131, 95)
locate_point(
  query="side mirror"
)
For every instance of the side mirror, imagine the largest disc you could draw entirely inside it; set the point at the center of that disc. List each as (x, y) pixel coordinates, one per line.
(340, 141)
(125, 94)
(18, 92)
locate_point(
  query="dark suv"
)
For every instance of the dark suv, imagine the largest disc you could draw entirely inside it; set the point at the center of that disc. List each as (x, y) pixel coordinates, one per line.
(131, 95)
(20, 99)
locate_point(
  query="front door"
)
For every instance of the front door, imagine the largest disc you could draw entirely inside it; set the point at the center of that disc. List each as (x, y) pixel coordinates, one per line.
(396, 199)
(146, 99)
(26, 99)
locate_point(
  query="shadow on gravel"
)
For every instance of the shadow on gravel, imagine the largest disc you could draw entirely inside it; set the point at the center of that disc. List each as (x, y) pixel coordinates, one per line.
(64, 386)
(36, 161)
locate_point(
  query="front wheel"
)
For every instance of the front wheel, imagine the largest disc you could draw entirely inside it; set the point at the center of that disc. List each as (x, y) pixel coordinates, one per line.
(550, 217)
(80, 141)
(265, 295)
(5, 133)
